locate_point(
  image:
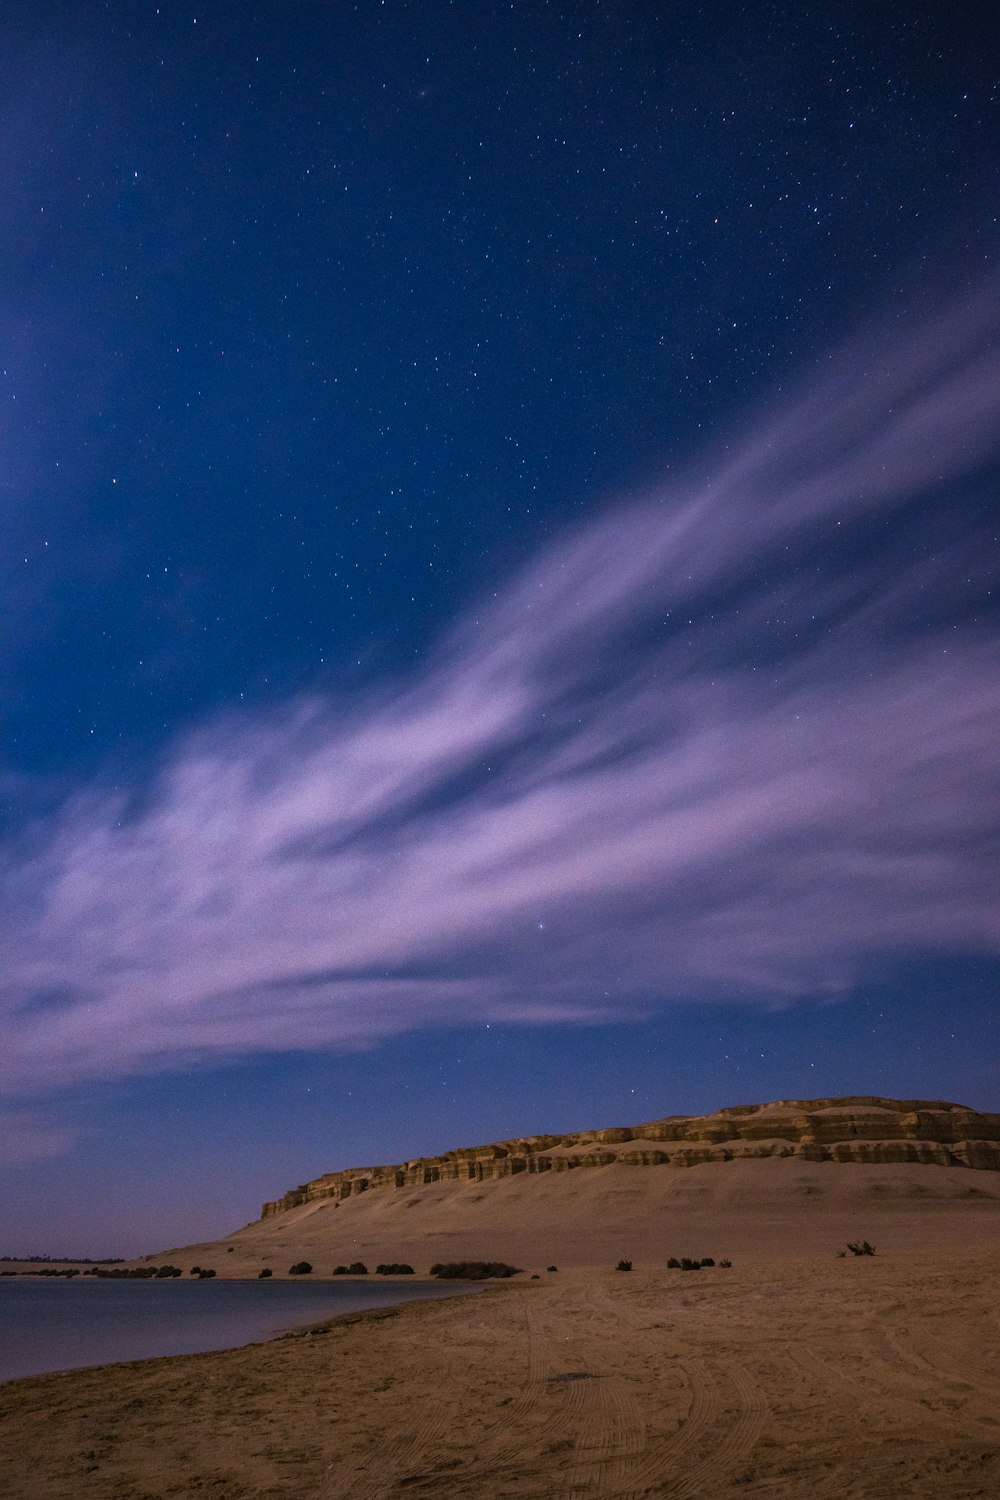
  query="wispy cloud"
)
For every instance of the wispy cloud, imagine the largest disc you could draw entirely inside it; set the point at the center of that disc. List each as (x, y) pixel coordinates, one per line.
(738, 738)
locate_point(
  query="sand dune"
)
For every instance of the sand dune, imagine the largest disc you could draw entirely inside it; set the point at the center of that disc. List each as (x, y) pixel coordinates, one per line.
(773, 1208)
(766, 1179)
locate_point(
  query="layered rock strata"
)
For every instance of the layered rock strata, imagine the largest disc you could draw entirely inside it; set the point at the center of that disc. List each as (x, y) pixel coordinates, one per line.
(859, 1129)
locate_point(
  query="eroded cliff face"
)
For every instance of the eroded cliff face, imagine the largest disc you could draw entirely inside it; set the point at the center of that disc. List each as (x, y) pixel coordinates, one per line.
(861, 1129)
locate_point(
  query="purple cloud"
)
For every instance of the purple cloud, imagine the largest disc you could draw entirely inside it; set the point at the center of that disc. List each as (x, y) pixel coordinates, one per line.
(723, 740)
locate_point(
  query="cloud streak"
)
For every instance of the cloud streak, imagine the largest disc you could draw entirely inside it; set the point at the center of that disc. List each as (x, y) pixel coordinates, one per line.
(735, 739)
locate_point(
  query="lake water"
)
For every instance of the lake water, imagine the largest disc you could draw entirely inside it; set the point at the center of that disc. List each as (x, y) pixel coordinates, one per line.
(51, 1324)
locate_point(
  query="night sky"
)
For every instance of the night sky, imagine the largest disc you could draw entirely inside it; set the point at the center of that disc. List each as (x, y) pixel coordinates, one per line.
(498, 555)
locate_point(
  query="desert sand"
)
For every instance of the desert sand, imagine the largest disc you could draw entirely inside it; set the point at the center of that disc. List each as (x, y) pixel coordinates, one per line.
(804, 1376)
(799, 1372)
(772, 1209)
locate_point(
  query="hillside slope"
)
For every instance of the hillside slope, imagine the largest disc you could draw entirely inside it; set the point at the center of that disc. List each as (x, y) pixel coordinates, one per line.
(776, 1179)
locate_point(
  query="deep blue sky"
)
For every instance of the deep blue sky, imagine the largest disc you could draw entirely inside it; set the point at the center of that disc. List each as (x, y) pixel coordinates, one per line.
(498, 576)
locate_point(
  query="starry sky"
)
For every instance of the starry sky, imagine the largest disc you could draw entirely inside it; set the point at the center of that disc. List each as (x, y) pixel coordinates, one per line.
(498, 555)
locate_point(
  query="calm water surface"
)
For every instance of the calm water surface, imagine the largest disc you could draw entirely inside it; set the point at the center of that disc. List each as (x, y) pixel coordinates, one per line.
(63, 1325)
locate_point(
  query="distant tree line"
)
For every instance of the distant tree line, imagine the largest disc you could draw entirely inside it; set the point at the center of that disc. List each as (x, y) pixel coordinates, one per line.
(77, 1260)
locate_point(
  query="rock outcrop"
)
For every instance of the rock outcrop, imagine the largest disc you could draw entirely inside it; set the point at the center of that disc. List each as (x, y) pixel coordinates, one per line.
(854, 1129)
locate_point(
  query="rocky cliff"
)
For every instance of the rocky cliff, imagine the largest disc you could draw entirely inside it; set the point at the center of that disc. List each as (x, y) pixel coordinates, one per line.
(859, 1129)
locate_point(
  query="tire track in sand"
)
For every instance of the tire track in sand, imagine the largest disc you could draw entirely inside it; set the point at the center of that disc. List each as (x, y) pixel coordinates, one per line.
(934, 1385)
(596, 1414)
(613, 1461)
(612, 1435)
(896, 1395)
(395, 1455)
(598, 1421)
(529, 1422)
(500, 1444)
(949, 1377)
(586, 1410)
(946, 1357)
(659, 1466)
(733, 1446)
(389, 1464)
(688, 1462)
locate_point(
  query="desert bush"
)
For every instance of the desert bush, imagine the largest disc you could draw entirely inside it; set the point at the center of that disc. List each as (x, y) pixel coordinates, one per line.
(394, 1268)
(624, 1265)
(196, 1270)
(673, 1264)
(357, 1268)
(300, 1268)
(473, 1270)
(551, 1268)
(861, 1247)
(707, 1260)
(262, 1275)
(687, 1264)
(206, 1275)
(726, 1265)
(340, 1270)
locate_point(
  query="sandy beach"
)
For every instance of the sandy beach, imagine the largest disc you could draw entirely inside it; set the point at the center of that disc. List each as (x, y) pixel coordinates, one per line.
(800, 1371)
(781, 1377)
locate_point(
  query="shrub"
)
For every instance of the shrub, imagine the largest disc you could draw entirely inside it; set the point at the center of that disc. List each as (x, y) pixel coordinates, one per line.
(196, 1270)
(340, 1270)
(205, 1275)
(624, 1265)
(300, 1268)
(861, 1247)
(707, 1261)
(473, 1270)
(673, 1264)
(261, 1275)
(551, 1268)
(357, 1268)
(726, 1265)
(394, 1268)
